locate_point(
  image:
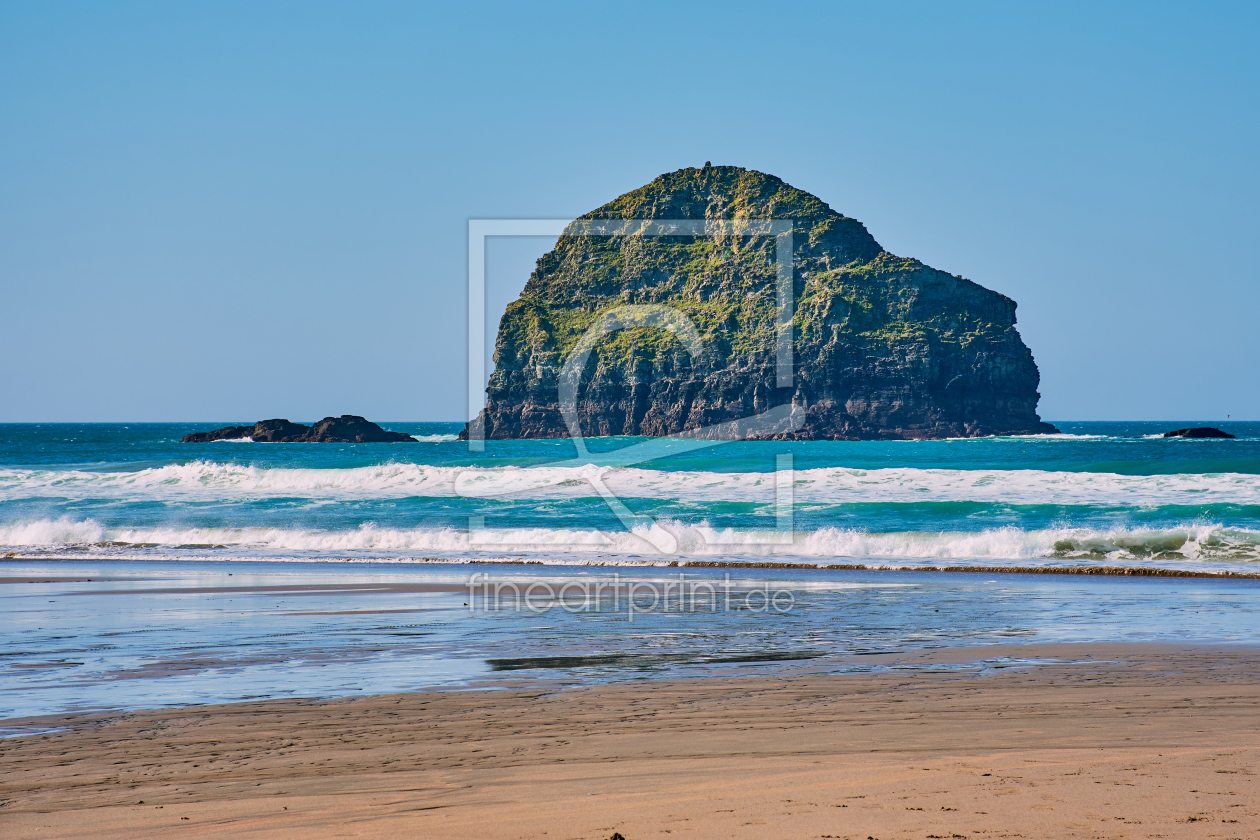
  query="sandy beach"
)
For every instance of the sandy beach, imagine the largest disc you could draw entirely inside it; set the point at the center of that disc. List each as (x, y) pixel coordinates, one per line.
(1108, 741)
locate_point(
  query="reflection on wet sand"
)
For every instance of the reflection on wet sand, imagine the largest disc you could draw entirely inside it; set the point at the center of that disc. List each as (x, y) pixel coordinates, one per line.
(1099, 740)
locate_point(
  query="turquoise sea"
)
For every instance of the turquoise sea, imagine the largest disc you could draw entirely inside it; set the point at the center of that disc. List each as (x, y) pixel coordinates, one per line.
(1102, 493)
(137, 571)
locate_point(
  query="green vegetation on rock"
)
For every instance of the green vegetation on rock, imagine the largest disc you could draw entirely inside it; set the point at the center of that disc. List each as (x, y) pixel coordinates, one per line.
(885, 347)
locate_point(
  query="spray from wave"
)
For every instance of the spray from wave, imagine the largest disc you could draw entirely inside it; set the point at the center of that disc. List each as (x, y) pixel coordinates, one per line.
(1192, 544)
(207, 481)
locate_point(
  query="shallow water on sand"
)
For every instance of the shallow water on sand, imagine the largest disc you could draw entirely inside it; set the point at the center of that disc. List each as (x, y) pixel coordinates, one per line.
(135, 634)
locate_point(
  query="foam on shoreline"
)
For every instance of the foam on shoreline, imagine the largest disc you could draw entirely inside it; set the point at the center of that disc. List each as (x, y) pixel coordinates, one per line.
(1189, 547)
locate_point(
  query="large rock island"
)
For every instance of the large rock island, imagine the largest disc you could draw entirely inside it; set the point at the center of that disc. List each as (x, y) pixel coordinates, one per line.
(348, 428)
(885, 347)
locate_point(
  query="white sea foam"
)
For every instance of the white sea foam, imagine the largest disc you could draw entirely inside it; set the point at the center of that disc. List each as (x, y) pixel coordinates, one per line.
(1047, 547)
(208, 481)
(52, 533)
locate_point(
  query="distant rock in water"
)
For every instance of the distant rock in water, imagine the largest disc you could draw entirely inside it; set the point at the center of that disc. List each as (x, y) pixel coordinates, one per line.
(348, 428)
(1199, 432)
(884, 347)
(278, 431)
(226, 433)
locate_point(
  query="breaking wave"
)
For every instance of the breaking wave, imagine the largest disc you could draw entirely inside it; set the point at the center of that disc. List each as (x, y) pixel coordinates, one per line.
(205, 480)
(1189, 544)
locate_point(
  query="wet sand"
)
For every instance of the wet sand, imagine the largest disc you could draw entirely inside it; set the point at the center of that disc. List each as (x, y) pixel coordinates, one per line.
(1116, 741)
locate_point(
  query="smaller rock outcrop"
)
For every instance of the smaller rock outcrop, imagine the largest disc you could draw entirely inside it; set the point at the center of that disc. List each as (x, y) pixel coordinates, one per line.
(226, 433)
(278, 431)
(1199, 432)
(348, 428)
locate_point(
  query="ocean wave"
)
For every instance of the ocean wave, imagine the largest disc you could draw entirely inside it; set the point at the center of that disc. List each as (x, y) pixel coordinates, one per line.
(210, 481)
(1190, 543)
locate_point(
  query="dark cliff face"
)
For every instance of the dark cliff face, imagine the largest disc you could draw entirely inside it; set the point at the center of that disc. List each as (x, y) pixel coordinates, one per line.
(885, 347)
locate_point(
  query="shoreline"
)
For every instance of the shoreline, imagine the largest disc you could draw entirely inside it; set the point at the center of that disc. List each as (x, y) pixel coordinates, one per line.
(1132, 740)
(130, 636)
(1100, 571)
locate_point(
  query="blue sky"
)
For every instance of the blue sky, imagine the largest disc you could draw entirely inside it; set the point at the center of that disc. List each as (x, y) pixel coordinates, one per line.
(230, 211)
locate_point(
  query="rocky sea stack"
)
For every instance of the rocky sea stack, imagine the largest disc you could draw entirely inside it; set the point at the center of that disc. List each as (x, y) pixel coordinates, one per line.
(884, 347)
(348, 428)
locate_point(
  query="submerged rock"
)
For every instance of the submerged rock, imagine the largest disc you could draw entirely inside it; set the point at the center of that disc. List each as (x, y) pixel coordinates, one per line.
(1198, 432)
(348, 428)
(884, 347)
